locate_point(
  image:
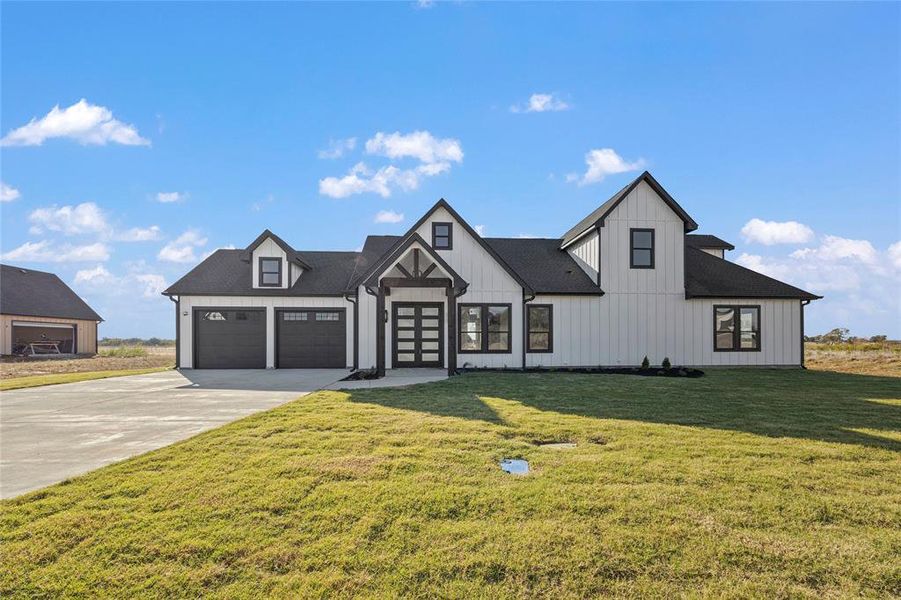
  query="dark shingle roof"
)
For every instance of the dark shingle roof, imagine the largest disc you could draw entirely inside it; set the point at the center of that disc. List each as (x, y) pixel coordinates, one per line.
(374, 249)
(699, 240)
(38, 294)
(707, 276)
(604, 209)
(544, 266)
(228, 273)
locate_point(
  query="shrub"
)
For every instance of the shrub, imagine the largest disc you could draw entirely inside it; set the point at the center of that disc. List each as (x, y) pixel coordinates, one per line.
(123, 352)
(645, 364)
(666, 363)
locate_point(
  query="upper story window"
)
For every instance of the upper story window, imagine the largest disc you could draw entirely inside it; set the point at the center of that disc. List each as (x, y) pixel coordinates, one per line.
(736, 328)
(270, 272)
(641, 248)
(442, 236)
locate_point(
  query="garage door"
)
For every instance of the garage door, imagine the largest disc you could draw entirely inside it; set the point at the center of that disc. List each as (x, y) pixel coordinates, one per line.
(311, 339)
(229, 338)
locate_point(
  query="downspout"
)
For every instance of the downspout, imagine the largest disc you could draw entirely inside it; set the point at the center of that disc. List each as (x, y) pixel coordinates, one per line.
(352, 298)
(525, 326)
(803, 304)
(177, 331)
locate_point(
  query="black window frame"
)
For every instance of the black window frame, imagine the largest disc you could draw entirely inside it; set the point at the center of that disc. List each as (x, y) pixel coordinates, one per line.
(260, 271)
(449, 236)
(550, 329)
(632, 248)
(736, 327)
(484, 331)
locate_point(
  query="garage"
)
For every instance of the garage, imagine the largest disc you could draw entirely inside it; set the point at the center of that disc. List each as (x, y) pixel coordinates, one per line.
(34, 337)
(229, 338)
(311, 338)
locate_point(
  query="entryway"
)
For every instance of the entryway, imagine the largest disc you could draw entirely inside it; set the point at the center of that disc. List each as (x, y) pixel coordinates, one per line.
(418, 334)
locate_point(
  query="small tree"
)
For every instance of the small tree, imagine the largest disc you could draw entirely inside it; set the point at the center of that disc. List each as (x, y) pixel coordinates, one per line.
(836, 336)
(645, 364)
(666, 363)
(879, 339)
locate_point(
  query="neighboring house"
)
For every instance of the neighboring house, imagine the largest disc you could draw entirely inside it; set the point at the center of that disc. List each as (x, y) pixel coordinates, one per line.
(628, 281)
(39, 312)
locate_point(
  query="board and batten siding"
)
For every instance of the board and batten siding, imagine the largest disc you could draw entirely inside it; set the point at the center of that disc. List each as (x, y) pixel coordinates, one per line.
(585, 252)
(85, 335)
(187, 304)
(269, 249)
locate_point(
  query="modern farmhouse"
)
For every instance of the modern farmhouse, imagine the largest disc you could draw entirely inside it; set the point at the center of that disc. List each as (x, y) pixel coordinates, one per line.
(628, 281)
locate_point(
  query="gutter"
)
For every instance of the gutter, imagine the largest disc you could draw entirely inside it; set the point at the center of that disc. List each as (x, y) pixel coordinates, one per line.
(525, 326)
(803, 304)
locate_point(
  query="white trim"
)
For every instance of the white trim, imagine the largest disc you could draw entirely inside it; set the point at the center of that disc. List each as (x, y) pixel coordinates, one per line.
(39, 324)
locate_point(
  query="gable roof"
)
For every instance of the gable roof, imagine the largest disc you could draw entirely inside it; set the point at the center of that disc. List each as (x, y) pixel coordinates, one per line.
(707, 276)
(293, 255)
(545, 267)
(32, 293)
(442, 203)
(707, 241)
(228, 273)
(597, 216)
(399, 250)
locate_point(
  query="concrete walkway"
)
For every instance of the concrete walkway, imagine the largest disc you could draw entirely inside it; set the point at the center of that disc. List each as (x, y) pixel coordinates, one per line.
(393, 378)
(53, 432)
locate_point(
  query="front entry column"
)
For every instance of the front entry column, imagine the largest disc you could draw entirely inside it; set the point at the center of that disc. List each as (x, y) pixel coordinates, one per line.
(451, 331)
(380, 331)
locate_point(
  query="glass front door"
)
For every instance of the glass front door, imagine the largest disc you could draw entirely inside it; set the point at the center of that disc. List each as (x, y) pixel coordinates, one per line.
(418, 335)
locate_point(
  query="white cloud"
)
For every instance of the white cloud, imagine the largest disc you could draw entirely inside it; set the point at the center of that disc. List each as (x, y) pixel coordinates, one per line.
(834, 248)
(98, 274)
(70, 220)
(139, 234)
(83, 122)
(894, 254)
(435, 157)
(541, 103)
(153, 284)
(169, 197)
(337, 148)
(769, 233)
(388, 216)
(425, 3)
(480, 229)
(420, 145)
(45, 251)
(861, 285)
(603, 162)
(181, 249)
(8, 193)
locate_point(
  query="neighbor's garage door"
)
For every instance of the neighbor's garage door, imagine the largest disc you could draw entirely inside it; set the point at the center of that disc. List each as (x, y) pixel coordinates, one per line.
(229, 338)
(311, 339)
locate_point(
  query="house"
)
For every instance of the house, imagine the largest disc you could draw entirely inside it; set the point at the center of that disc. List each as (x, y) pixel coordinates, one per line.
(629, 280)
(41, 314)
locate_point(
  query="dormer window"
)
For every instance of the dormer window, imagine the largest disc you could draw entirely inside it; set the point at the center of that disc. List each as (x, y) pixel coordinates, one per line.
(442, 236)
(270, 272)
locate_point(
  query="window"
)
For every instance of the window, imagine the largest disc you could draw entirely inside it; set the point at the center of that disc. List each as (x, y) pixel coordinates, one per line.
(294, 316)
(641, 244)
(328, 316)
(540, 334)
(736, 328)
(442, 236)
(270, 272)
(214, 316)
(485, 328)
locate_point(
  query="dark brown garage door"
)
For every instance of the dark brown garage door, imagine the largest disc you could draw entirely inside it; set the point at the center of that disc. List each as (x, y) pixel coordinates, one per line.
(227, 338)
(311, 339)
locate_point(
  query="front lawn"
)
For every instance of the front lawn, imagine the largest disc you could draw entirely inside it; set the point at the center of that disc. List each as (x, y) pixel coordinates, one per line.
(741, 483)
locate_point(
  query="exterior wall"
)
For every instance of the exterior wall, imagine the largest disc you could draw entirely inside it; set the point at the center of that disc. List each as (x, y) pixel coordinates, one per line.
(189, 303)
(717, 252)
(269, 249)
(85, 335)
(296, 271)
(585, 252)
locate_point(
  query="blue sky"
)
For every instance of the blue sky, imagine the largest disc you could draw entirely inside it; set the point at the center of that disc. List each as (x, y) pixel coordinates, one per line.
(776, 126)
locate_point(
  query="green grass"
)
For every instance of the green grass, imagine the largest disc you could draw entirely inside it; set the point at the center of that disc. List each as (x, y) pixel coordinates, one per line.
(123, 352)
(18, 383)
(741, 483)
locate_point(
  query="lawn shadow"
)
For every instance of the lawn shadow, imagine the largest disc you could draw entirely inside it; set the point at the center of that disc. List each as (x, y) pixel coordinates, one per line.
(815, 405)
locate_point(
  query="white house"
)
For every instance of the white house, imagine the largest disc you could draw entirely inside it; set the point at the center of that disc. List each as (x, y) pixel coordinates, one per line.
(628, 281)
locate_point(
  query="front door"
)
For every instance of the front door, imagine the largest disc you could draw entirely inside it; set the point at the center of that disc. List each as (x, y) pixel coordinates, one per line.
(418, 335)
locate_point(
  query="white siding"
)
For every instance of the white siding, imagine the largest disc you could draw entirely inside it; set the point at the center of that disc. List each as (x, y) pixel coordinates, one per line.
(717, 252)
(269, 249)
(189, 303)
(585, 253)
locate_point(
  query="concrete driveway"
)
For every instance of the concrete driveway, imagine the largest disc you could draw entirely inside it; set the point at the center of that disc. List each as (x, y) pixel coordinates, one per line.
(53, 432)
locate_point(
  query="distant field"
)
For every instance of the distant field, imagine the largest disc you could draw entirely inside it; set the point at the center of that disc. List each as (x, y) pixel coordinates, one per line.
(154, 357)
(863, 359)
